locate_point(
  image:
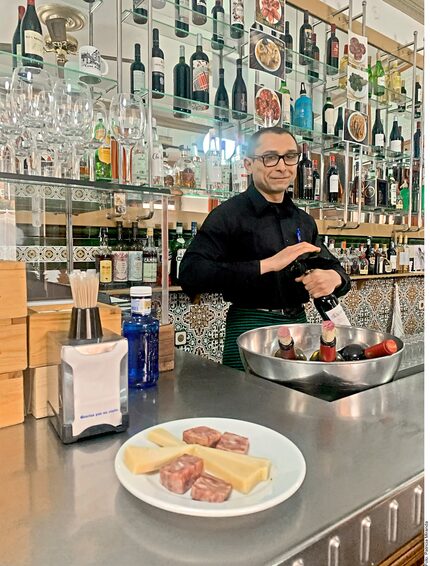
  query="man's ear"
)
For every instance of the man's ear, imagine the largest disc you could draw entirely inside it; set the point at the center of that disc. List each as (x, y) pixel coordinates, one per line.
(248, 164)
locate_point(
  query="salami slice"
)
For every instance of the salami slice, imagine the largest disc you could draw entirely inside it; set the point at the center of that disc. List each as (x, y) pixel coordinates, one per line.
(208, 488)
(203, 435)
(233, 443)
(180, 474)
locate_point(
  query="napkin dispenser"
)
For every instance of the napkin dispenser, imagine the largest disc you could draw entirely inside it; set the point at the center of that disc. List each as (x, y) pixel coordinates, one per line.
(89, 395)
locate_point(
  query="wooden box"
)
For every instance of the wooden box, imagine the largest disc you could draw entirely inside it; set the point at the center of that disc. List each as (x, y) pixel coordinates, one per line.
(11, 398)
(166, 356)
(13, 289)
(13, 344)
(43, 319)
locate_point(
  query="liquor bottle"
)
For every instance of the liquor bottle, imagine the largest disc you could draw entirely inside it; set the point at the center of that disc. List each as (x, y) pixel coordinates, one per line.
(176, 246)
(16, 40)
(103, 258)
(238, 172)
(142, 332)
(383, 261)
(31, 37)
(404, 259)
(221, 100)
(182, 18)
(363, 263)
(184, 169)
(395, 137)
(156, 158)
(402, 99)
(332, 52)
(333, 180)
(157, 66)
(103, 158)
(140, 12)
(168, 172)
(328, 121)
(393, 189)
(378, 136)
(377, 259)
(239, 94)
(305, 40)
(181, 86)
(327, 351)
(287, 349)
(316, 181)
(286, 104)
(382, 192)
(197, 165)
(417, 142)
(213, 165)
(303, 117)
(120, 257)
(392, 256)
(355, 261)
(305, 175)
(199, 64)
(199, 12)
(137, 72)
(370, 256)
(355, 352)
(338, 127)
(343, 68)
(237, 18)
(400, 257)
(344, 259)
(418, 98)
(378, 77)
(313, 68)
(139, 163)
(225, 169)
(150, 259)
(288, 40)
(135, 257)
(218, 25)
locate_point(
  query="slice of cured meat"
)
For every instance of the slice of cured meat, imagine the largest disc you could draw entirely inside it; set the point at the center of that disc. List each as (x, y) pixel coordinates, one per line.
(233, 443)
(208, 488)
(203, 435)
(180, 474)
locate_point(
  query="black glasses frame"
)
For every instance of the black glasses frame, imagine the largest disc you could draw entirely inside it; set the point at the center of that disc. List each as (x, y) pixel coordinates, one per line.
(264, 159)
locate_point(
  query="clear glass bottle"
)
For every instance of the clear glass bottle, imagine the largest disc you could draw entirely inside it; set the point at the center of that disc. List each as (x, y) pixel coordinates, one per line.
(157, 158)
(142, 332)
(168, 172)
(184, 169)
(135, 257)
(225, 168)
(197, 164)
(239, 174)
(139, 163)
(213, 165)
(120, 257)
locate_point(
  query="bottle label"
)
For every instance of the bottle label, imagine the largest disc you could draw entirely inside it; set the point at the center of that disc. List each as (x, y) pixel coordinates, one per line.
(387, 266)
(200, 76)
(317, 188)
(329, 118)
(139, 168)
(237, 12)
(338, 316)
(119, 203)
(141, 305)
(158, 65)
(308, 42)
(179, 255)
(214, 172)
(404, 258)
(150, 271)
(105, 271)
(18, 52)
(104, 154)
(182, 15)
(393, 194)
(393, 261)
(135, 265)
(218, 26)
(364, 270)
(139, 81)
(157, 165)
(334, 184)
(396, 145)
(381, 81)
(120, 266)
(286, 109)
(379, 140)
(335, 49)
(200, 3)
(33, 42)
(419, 95)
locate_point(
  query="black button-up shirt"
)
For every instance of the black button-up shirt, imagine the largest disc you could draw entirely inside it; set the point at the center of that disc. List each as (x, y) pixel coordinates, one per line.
(224, 257)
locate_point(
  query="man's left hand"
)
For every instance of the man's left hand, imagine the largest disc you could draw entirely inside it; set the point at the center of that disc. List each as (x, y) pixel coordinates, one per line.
(320, 282)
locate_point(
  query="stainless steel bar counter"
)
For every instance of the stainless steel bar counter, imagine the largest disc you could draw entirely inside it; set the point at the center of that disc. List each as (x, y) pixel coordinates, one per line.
(64, 505)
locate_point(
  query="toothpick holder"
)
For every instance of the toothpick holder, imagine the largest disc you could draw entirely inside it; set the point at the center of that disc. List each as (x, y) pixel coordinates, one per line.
(85, 324)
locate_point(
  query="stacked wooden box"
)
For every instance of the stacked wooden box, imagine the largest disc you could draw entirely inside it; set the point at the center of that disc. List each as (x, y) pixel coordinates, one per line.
(13, 341)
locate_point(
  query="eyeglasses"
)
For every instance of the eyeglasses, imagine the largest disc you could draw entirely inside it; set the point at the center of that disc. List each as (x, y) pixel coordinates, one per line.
(272, 159)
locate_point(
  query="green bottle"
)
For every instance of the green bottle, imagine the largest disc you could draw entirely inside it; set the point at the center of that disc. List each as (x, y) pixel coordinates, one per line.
(103, 154)
(378, 78)
(369, 75)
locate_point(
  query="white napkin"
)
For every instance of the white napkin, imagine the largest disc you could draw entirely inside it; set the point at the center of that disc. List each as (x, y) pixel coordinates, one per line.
(396, 323)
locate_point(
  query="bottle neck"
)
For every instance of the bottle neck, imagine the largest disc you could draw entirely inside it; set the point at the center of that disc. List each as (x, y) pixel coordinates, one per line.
(31, 3)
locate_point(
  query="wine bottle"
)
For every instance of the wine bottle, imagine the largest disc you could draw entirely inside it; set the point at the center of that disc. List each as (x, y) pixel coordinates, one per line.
(338, 127)
(287, 349)
(418, 98)
(328, 117)
(218, 21)
(182, 18)
(402, 140)
(31, 37)
(288, 40)
(140, 12)
(333, 180)
(237, 18)
(303, 116)
(313, 69)
(329, 308)
(355, 352)
(316, 181)
(157, 66)
(327, 351)
(378, 77)
(395, 137)
(137, 72)
(417, 142)
(378, 136)
(305, 40)
(199, 64)
(392, 257)
(199, 12)
(221, 100)
(305, 175)
(16, 40)
(181, 85)
(332, 52)
(239, 94)
(370, 256)
(402, 99)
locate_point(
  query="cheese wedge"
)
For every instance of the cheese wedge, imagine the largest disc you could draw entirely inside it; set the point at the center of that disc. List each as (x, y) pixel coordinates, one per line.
(142, 460)
(163, 437)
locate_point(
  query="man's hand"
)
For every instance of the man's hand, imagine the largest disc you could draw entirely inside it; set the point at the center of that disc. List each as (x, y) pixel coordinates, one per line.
(286, 256)
(320, 282)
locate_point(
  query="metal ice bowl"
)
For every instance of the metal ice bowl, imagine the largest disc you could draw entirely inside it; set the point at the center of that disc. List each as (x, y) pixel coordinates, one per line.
(327, 380)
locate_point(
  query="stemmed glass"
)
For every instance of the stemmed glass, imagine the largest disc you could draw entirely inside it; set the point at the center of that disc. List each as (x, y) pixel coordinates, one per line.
(9, 126)
(127, 119)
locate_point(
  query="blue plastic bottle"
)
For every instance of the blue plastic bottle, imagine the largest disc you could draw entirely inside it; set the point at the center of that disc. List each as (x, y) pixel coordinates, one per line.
(303, 117)
(141, 330)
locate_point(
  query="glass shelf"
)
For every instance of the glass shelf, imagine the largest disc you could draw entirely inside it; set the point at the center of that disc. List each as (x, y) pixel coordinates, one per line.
(85, 7)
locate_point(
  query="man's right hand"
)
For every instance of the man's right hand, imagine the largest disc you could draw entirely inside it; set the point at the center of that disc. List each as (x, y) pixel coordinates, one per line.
(286, 256)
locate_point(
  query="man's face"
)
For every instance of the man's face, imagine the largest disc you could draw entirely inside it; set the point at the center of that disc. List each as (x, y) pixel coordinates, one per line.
(273, 181)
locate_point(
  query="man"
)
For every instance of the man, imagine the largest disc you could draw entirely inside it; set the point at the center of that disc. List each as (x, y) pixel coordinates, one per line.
(245, 244)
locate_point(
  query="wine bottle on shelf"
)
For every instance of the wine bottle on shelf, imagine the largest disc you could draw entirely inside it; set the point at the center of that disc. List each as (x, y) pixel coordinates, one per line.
(356, 352)
(237, 18)
(370, 256)
(199, 12)
(218, 21)
(418, 98)
(332, 52)
(377, 258)
(305, 40)
(378, 77)
(137, 72)
(316, 181)
(417, 141)
(333, 180)
(305, 175)
(313, 68)
(182, 18)
(31, 37)
(157, 66)
(378, 136)
(199, 65)
(287, 349)
(328, 121)
(402, 140)
(303, 116)
(221, 100)
(338, 127)
(181, 86)
(402, 98)
(395, 137)
(120, 257)
(392, 257)
(140, 12)
(16, 40)
(327, 351)
(288, 40)
(239, 94)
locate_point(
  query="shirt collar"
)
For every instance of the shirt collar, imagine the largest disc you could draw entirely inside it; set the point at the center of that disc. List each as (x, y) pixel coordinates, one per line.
(261, 204)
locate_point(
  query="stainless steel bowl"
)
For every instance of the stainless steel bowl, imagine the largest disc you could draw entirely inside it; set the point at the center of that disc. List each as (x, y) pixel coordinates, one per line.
(326, 380)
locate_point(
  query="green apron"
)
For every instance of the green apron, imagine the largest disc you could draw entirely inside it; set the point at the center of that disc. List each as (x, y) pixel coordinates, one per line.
(241, 320)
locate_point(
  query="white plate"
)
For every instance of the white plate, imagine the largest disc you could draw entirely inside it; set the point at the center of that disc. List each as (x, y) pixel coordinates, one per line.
(287, 473)
(271, 69)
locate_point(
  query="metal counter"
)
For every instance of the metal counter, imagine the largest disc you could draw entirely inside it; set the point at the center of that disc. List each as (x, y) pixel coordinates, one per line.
(64, 505)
